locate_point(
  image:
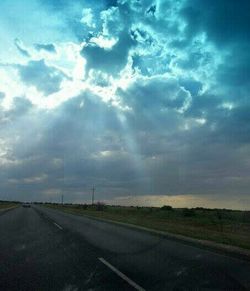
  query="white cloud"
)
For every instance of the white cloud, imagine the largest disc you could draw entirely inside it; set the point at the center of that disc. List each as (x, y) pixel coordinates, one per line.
(88, 17)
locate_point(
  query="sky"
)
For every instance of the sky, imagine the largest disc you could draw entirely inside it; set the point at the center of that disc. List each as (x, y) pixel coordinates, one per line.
(145, 100)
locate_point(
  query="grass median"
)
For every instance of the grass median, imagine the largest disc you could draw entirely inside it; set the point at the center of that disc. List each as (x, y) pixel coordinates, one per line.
(229, 227)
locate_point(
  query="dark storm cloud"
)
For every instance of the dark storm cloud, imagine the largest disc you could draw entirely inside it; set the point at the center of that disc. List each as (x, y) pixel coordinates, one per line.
(224, 21)
(53, 137)
(235, 128)
(111, 3)
(20, 107)
(21, 49)
(45, 78)
(155, 93)
(234, 72)
(193, 86)
(59, 5)
(182, 120)
(46, 47)
(203, 105)
(227, 25)
(2, 95)
(111, 60)
(71, 150)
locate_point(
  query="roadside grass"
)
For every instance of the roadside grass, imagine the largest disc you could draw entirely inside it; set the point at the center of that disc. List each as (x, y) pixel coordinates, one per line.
(7, 204)
(230, 227)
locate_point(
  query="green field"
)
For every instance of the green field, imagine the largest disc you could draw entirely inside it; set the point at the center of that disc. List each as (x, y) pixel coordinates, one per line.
(220, 225)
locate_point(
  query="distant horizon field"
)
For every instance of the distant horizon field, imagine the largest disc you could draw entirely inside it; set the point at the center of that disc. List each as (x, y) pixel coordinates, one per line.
(216, 201)
(13, 202)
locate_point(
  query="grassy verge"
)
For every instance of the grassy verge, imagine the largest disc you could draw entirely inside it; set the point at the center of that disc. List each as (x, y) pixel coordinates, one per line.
(7, 204)
(219, 225)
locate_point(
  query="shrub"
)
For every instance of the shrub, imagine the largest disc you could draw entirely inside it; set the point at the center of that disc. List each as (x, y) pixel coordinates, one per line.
(100, 206)
(167, 207)
(84, 206)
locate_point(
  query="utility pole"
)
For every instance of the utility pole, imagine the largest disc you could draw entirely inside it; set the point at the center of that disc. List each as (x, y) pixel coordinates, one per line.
(62, 199)
(93, 195)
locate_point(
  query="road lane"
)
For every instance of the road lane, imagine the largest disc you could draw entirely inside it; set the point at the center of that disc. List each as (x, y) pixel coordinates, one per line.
(45, 249)
(121, 275)
(37, 255)
(154, 262)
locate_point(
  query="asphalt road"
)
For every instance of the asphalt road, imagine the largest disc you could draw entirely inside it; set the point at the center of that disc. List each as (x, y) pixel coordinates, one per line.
(45, 249)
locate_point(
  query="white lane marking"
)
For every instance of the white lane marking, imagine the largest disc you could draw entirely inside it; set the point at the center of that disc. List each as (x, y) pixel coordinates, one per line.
(57, 225)
(123, 276)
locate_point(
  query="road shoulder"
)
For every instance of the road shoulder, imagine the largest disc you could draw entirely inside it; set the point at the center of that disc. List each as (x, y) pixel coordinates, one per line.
(5, 210)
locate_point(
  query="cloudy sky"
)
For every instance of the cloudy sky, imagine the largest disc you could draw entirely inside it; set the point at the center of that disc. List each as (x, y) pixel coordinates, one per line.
(140, 98)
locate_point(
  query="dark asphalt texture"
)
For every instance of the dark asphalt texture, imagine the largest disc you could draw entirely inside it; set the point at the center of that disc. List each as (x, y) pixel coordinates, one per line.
(35, 254)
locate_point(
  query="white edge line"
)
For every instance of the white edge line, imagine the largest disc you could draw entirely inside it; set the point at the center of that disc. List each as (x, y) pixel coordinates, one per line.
(120, 274)
(58, 226)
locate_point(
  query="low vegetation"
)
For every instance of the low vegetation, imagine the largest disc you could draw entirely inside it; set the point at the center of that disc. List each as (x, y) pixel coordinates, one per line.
(7, 204)
(219, 225)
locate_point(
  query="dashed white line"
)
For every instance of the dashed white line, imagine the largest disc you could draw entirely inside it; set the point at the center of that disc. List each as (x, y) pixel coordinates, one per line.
(58, 226)
(121, 275)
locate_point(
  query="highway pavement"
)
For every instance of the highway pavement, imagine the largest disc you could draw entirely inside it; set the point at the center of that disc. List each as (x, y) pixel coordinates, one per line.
(46, 249)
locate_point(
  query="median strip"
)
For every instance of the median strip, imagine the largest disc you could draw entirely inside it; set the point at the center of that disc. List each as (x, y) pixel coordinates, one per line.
(121, 275)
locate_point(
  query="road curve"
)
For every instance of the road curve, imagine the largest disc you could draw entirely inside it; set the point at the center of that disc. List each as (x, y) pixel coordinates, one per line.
(46, 249)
